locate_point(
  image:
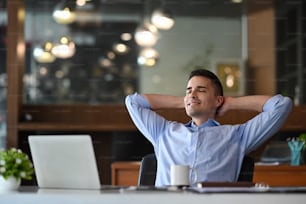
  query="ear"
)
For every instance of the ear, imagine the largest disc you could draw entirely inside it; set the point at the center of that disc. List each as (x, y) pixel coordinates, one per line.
(220, 100)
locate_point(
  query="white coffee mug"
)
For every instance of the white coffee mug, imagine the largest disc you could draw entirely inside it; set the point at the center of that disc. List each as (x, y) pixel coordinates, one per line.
(179, 175)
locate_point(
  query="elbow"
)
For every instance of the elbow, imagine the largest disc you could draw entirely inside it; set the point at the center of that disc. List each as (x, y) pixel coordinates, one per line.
(287, 106)
(128, 101)
(289, 103)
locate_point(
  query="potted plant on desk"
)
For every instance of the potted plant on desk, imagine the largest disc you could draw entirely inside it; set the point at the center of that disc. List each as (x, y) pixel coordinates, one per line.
(302, 137)
(14, 166)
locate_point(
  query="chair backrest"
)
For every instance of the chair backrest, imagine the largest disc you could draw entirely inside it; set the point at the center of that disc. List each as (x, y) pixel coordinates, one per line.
(247, 169)
(147, 171)
(148, 166)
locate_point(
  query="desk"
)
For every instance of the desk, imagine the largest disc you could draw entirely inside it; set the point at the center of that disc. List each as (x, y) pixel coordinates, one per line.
(126, 173)
(280, 175)
(147, 197)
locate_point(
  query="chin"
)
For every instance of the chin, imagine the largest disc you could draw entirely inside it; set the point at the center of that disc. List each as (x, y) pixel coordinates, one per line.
(191, 113)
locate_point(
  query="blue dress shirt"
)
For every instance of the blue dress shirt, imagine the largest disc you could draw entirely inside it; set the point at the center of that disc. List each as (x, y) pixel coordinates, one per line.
(214, 152)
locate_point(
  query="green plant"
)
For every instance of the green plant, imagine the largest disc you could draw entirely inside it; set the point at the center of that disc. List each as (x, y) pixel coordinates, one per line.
(15, 163)
(302, 137)
(200, 61)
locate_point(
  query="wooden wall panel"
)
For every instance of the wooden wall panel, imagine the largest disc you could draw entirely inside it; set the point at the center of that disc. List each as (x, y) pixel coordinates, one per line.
(261, 47)
(15, 67)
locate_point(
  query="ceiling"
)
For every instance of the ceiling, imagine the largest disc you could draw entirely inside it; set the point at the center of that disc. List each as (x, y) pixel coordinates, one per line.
(132, 9)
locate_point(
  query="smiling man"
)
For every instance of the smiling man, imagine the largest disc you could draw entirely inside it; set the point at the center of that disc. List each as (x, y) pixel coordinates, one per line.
(214, 151)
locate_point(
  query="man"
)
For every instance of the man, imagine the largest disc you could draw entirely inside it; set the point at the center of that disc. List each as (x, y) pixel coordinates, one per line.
(215, 151)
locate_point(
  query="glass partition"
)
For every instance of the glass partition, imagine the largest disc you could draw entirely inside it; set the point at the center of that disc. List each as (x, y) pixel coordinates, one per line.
(90, 52)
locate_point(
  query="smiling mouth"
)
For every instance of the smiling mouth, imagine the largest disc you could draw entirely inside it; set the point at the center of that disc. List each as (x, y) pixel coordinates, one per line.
(193, 103)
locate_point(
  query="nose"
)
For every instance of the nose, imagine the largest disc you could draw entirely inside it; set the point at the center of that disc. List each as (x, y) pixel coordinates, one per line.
(192, 94)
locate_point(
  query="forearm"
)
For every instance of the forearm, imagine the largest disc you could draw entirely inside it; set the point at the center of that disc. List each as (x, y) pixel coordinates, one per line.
(255, 102)
(159, 101)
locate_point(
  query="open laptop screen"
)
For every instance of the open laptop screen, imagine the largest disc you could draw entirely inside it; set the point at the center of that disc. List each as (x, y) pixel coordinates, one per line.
(64, 161)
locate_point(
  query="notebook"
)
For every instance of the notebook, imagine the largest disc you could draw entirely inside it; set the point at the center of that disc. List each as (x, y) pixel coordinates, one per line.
(64, 161)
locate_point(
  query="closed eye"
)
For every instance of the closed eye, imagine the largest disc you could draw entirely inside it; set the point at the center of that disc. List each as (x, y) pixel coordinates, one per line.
(202, 89)
(188, 90)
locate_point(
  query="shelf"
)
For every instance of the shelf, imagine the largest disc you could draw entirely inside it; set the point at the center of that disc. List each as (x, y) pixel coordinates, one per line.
(106, 118)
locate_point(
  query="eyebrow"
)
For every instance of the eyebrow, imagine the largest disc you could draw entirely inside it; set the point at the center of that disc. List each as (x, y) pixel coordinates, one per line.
(198, 87)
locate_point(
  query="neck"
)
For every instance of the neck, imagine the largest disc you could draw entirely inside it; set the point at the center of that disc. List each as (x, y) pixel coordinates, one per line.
(199, 122)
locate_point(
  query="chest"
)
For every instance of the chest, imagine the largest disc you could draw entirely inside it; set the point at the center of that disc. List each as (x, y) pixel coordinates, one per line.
(201, 143)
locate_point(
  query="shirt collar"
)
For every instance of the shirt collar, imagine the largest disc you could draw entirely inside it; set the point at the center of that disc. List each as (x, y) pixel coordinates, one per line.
(208, 123)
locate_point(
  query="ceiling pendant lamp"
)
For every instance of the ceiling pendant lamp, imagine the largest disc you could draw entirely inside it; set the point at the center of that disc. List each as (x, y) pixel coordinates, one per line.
(120, 48)
(148, 57)
(64, 12)
(64, 49)
(162, 19)
(42, 54)
(146, 35)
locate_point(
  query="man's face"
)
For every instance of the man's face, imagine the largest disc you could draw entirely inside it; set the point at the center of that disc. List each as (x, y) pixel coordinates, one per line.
(201, 100)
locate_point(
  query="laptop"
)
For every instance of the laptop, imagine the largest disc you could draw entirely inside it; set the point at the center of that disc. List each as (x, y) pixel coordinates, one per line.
(64, 161)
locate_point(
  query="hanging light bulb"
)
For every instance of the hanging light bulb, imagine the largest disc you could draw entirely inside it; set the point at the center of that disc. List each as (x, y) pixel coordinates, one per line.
(121, 48)
(64, 49)
(63, 13)
(148, 57)
(146, 35)
(42, 54)
(162, 19)
(149, 53)
(126, 36)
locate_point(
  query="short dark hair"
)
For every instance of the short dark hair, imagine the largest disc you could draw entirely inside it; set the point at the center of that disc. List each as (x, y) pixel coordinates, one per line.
(210, 75)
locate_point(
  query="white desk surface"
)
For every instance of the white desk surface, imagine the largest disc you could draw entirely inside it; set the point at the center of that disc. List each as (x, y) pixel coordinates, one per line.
(148, 197)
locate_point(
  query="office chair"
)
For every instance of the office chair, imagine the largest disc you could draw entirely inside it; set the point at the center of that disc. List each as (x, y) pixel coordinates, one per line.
(247, 169)
(147, 171)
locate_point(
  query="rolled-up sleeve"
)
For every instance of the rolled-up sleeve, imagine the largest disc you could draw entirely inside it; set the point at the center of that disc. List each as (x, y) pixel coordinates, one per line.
(267, 123)
(147, 121)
